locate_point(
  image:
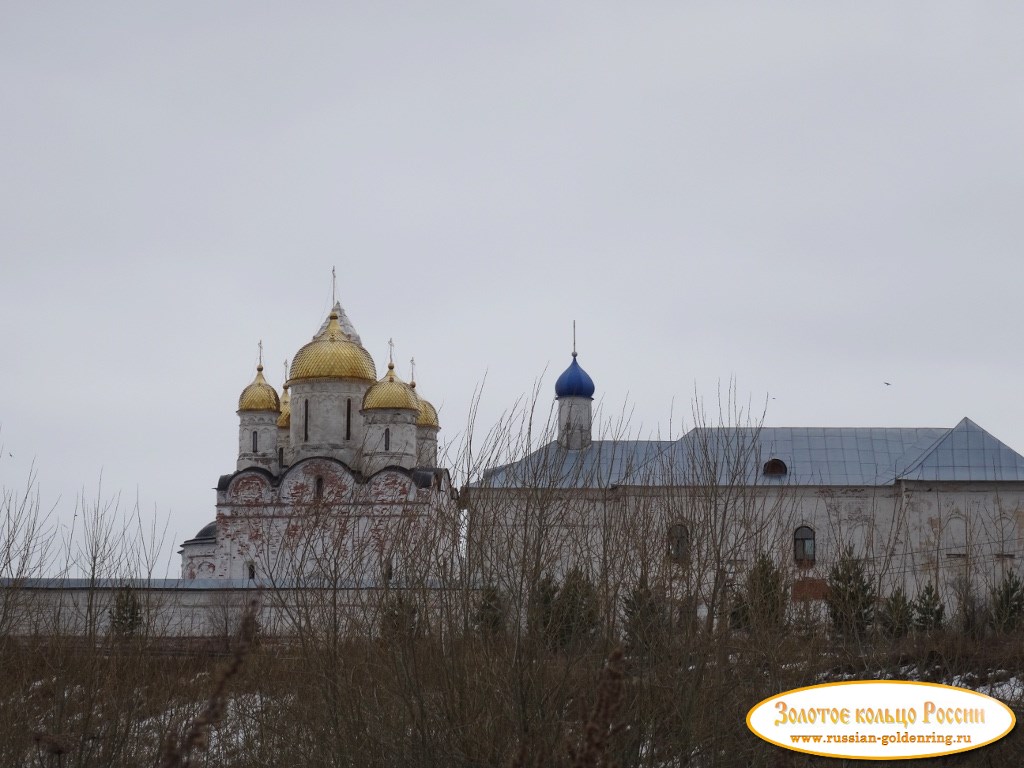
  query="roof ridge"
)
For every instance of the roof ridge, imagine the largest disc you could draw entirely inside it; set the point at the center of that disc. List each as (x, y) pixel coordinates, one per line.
(915, 465)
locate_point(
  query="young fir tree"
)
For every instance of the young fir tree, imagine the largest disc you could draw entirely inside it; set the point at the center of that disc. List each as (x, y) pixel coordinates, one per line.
(851, 598)
(541, 608)
(897, 615)
(760, 606)
(1006, 609)
(125, 613)
(399, 621)
(929, 612)
(490, 614)
(646, 619)
(972, 615)
(574, 612)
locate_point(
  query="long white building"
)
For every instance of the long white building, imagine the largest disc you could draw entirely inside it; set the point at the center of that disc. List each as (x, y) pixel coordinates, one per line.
(917, 505)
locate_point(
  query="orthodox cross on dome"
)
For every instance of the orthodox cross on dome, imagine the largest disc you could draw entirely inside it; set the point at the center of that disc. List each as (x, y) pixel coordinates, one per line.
(286, 369)
(574, 338)
(391, 353)
(261, 353)
(412, 371)
(334, 286)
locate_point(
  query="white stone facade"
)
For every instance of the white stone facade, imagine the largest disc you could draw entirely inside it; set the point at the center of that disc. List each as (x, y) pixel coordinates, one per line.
(337, 485)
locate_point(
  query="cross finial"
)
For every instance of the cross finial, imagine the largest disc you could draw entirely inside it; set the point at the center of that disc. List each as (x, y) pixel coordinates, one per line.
(412, 370)
(334, 287)
(391, 351)
(574, 338)
(286, 369)
(261, 353)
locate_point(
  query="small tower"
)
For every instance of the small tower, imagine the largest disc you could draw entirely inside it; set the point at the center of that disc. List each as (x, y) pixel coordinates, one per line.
(427, 427)
(390, 410)
(258, 409)
(574, 391)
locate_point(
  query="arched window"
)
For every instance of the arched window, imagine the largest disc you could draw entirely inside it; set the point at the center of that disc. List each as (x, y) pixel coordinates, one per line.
(280, 456)
(678, 543)
(305, 420)
(1006, 538)
(348, 419)
(775, 468)
(318, 489)
(954, 537)
(803, 546)
(255, 441)
(252, 571)
(387, 439)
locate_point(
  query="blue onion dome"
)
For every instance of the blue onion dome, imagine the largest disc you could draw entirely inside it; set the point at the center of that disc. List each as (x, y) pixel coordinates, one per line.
(574, 382)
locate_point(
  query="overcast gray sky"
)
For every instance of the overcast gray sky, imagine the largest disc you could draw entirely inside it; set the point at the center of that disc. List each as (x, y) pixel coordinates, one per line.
(811, 197)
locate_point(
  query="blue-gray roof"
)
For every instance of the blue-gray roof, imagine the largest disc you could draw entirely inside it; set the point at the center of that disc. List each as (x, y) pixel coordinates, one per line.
(812, 456)
(600, 465)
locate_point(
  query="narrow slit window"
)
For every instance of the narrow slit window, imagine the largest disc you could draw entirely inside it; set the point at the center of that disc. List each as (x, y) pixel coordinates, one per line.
(803, 546)
(305, 420)
(252, 571)
(387, 439)
(255, 441)
(318, 489)
(280, 456)
(348, 419)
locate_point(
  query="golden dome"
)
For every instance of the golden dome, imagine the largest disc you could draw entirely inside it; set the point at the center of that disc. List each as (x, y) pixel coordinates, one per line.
(428, 413)
(259, 396)
(332, 355)
(284, 419)
(391, 392)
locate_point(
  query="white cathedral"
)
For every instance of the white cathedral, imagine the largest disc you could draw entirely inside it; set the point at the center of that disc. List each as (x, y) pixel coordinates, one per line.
(340, 465)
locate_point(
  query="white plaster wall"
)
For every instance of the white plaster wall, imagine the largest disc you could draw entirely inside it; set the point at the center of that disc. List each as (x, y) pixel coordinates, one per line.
(958, 536)
(172, 609)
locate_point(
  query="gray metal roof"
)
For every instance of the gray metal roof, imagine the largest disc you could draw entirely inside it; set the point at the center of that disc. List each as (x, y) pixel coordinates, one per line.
(600, 465)
(812, 455)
